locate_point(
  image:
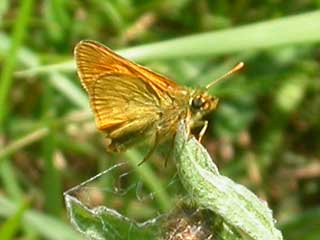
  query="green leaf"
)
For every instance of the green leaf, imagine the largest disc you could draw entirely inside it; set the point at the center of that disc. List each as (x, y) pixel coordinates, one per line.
(102, 222)
(12, 224)
(238, 206)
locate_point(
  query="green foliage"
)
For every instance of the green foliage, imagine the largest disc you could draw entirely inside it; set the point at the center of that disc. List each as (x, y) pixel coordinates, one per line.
(103, 223)
(241, 213)
(44, 225)
(12, 224)
(264, 135)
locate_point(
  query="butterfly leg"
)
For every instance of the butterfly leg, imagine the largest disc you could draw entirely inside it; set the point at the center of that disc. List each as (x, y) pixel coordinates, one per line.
(203, 130)
(152, 149)
(188, 122)
(169, 155)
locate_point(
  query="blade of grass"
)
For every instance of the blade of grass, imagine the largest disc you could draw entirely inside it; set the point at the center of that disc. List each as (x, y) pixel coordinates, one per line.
(48, 227)
(56, 19)
(22, 142)
(9, 180)
(60, 82)
(69, 89)
(4, 5)
(9, 65)
(51, 180)
(18, 34)
(24, 55)
(112, 14)
(12, 224)
(41, 132)
(20, 28)
(299, 29)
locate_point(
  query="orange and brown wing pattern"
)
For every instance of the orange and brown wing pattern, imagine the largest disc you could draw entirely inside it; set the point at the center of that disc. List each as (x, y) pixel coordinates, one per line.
(118, 100)
(94, 60)
(118, 96)
(130, 102)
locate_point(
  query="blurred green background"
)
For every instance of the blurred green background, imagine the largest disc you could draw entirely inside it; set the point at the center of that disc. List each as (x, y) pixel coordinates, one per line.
(264, 135)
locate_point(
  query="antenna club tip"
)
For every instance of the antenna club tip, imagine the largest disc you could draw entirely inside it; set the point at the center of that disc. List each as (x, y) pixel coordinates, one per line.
(233, 70)
(239, 66)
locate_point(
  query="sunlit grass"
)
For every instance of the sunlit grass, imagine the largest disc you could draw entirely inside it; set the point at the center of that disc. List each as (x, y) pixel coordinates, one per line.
(264, 133)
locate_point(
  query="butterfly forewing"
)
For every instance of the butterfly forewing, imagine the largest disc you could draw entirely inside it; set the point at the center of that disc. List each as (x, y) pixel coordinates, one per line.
(94, 60)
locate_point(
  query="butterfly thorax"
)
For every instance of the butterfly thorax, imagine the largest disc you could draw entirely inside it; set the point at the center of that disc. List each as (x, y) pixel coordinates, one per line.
(174, 106)
(188, 104)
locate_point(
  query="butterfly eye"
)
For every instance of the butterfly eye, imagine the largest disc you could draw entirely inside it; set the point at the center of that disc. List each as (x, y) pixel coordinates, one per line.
(197, 103)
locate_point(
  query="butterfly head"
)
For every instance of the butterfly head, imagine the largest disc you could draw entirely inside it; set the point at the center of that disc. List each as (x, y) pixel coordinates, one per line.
(201, 103)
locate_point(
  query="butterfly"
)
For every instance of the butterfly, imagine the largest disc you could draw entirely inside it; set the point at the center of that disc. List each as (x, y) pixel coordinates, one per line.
(131, 103)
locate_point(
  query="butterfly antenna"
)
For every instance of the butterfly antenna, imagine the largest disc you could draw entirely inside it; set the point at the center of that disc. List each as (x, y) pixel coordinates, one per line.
(233, 70)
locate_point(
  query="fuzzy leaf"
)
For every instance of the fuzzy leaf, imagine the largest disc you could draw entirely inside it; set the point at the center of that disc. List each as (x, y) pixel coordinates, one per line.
(103, 223)
(237, 205)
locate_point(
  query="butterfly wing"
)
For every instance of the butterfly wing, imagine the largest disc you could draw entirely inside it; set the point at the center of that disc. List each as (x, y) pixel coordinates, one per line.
(126, 98)
(95, 60)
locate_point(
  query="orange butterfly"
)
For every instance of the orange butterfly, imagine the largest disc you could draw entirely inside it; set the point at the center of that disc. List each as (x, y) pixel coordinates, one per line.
(132, 103)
